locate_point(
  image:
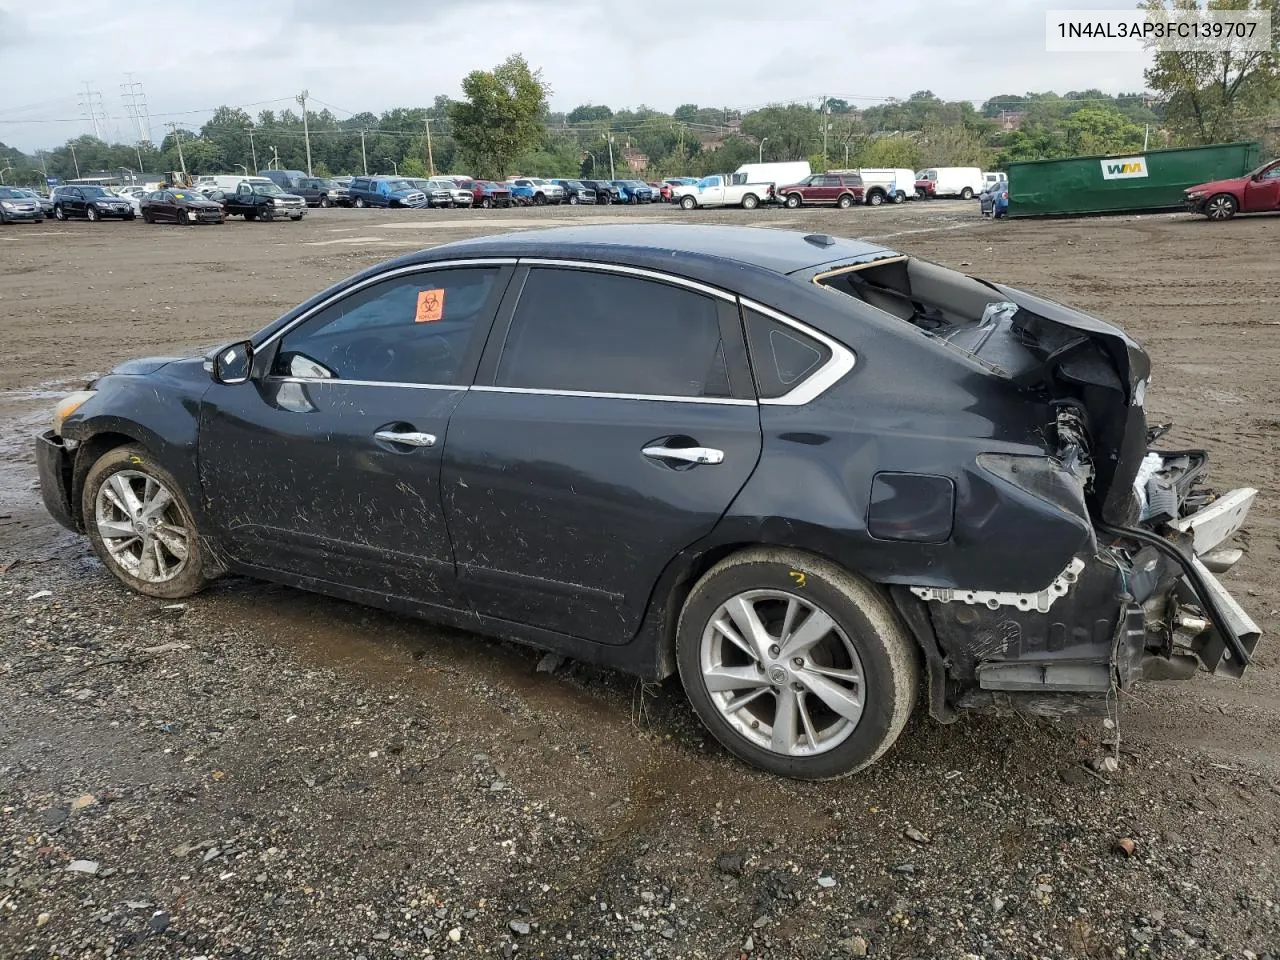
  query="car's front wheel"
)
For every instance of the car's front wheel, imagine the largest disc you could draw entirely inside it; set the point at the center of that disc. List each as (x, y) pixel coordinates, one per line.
(1221, 206)
(92, 213)
(793, 201)
(796, 665)
(360, 202)
(140, 525)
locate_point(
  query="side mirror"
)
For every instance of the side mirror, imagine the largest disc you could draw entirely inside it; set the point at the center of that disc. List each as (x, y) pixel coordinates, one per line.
(231, 364)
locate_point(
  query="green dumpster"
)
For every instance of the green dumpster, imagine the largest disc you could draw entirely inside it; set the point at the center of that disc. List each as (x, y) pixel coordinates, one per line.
(1153, 180)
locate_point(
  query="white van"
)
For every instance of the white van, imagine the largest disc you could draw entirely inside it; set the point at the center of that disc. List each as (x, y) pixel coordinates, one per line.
(994, 176)
(225, 183)
(777, 174)
(887, 184)
(963, 182)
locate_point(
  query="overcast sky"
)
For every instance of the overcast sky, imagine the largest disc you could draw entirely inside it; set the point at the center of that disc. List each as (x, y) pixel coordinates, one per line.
(376, 54)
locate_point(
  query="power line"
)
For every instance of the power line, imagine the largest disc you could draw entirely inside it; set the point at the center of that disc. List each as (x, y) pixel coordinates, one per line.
(135, 105)
(91, 104)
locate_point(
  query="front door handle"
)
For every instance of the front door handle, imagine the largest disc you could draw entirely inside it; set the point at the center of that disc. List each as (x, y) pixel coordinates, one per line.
(409, 438)
(708, 455)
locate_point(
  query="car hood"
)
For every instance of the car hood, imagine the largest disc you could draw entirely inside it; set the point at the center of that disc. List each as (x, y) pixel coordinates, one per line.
(141, 366)
(1215, 186)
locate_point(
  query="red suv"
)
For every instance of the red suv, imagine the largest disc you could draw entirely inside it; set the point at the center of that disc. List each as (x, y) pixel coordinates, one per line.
(841, 189)
(1256, 192)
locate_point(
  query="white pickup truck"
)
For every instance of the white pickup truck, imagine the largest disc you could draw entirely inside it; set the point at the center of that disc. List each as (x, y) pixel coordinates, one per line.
(718, 190)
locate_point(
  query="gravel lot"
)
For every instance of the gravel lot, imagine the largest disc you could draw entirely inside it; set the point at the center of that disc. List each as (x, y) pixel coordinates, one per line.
(261, 773)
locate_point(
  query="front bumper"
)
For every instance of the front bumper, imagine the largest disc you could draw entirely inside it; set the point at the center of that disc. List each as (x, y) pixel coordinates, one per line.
(1195, 205)
(53, 464)
(24, 214)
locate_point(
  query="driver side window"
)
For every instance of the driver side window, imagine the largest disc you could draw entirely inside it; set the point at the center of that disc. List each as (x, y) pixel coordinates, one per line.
(418, 328)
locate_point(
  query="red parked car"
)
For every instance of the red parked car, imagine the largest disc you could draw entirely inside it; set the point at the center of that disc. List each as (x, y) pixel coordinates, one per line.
(486, 193)
(841, 189)
(1256, 192)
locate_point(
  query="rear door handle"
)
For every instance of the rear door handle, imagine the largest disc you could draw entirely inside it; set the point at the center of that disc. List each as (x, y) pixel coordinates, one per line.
(708, 455)
(409, 438)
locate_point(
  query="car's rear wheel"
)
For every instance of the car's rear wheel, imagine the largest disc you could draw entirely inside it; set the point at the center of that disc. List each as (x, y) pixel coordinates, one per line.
(686, 203)
(899, 197)
(796, 665)
(966, 194)
(140, 525)
(750, 202)
(793, 200)
(1221, 206)
(845, 202)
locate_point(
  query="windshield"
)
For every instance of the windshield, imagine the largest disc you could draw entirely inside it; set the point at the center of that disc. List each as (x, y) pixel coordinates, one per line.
(709, 182)
(267, 190)
(7, 194)
(573, 184)
(399, 186)
(94, 192)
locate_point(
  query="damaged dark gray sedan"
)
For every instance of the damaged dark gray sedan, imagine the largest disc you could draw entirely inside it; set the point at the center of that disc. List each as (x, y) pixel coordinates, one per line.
(818, 479)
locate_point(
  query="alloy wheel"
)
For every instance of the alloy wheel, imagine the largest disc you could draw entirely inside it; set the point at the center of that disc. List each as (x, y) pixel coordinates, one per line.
(783, 674)
(1221, 208)
(142, 527)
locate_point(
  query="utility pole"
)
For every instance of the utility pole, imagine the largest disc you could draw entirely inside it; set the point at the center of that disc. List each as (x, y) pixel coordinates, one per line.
(182, 161)
(306, 133)
(74, 161)
(609, 137)
(763, 141)
(1146, 136)
(137, 148)
(826, 112)
(364, 160)
(275, 159)
(253, 151)
(431, 163)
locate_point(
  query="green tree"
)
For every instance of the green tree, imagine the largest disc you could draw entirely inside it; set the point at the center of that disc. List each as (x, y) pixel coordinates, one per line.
(501, 117)
(588, 113)
(1100, 130)
(890, 152)
(1209, 93)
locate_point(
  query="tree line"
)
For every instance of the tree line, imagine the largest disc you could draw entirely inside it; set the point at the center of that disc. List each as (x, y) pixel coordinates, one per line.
(503, 125)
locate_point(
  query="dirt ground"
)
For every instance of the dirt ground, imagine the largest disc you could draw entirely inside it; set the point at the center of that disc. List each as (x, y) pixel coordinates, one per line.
(264, 773)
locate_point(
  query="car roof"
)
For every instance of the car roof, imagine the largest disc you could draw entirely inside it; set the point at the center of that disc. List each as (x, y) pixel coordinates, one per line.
(779, 251)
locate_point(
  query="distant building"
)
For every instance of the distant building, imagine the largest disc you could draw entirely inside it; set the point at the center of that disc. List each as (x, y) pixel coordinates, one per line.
(636, 161)
(1010, 119)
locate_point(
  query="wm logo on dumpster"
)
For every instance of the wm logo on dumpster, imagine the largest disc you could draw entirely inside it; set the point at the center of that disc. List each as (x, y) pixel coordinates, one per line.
(1123, 168)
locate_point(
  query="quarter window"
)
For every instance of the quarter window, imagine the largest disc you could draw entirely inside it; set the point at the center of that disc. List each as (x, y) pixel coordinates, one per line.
(585, 331)
(419, 328)
(781, 356)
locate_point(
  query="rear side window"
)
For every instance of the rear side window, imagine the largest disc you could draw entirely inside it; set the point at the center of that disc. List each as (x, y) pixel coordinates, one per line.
(584, 331)
(782, 357)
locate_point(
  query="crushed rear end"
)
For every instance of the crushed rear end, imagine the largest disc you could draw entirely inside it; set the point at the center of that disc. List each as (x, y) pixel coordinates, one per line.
(1141, 600)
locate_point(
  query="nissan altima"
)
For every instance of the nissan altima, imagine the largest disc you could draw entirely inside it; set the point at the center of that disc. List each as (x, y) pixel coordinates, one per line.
(816, 479)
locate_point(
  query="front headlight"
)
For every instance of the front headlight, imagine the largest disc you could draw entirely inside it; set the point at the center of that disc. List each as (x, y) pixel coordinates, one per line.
(278, 203)
(7, 205)
(1194, 194)
(67, 406)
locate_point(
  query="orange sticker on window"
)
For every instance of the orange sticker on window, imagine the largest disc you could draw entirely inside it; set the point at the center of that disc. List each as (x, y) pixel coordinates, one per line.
(430, 306)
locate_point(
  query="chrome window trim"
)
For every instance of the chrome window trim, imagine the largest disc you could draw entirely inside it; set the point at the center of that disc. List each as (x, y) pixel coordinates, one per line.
(387, 275)
(366, 383)
(632, 272)
(538, 391)
(817, 383)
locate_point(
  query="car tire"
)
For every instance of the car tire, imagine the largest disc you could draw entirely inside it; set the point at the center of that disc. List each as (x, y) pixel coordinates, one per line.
(266, 215)
(59, 213)
(845, 201)
(921, 195)
(169, 534)
(92, 214)
(296, 219)
(1221, 206)
(899, 197)
(250, 215)
(131, 216)
(486, 203)
(184, 218)
(793, 201)
(539, 199)
(966, 194)
(867, 663)
(686, 203)
(573, 200)
(359, 202)
(324, 202)
(875, 198)
(750, 202)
